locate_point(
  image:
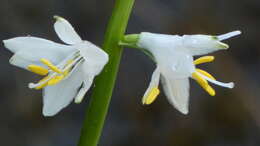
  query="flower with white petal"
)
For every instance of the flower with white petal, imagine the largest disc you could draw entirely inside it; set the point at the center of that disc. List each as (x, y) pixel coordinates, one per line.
(173, 55)
(69, 69)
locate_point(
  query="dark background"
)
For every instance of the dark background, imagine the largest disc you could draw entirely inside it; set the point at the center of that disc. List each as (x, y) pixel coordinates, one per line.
(231, 118)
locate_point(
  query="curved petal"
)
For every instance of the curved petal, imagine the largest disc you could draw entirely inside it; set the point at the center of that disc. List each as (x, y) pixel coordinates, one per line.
(153, 84)
(177, 92)
(57, 97)
(95, 57)
(65, 31)
(33, 49)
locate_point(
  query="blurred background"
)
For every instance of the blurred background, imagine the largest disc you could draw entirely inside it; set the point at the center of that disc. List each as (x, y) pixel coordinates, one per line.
(231, 118)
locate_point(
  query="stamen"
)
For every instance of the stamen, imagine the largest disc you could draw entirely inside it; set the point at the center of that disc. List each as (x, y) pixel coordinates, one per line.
(38, 69)
(210, 90)
(58, 75)
(204, 59)
(153, 93)
(227, 85)
(228, 35)
(55, 80)
(203, 83)
(205, 73)
(42, 83)
(50, 65)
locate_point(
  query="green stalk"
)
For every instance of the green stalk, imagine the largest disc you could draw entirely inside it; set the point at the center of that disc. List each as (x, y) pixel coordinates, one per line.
(104, 83)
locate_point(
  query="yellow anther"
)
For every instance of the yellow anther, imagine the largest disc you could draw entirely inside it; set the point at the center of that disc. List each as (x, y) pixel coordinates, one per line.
(153, 93)
(210, 90)
(205, 73)
(203, 83)
(51, 66)
(38, 69)
(204, 59)
(55, 80)
(42, 84)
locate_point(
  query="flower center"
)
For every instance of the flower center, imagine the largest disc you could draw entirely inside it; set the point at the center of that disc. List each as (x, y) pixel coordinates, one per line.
(55, 74)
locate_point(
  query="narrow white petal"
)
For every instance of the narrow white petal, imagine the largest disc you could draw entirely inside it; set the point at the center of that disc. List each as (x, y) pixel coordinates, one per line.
(153, 83)
(228, 35)
(177, 92)
(33, 49)
(57, 97)
(65, 31)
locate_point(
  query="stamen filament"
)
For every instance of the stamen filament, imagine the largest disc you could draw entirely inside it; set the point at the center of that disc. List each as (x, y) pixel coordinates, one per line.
(204, 59)
(150, 98)
(43, 83)
(227, 85)
(228, 35)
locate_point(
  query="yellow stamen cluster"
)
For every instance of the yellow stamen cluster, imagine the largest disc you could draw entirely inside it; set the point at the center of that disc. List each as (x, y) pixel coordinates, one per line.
(43, 71)
(201, 81)
(150, 98)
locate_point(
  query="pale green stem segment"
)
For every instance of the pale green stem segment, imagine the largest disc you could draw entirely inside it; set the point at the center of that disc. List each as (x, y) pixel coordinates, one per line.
(104, 83)
(131, 41)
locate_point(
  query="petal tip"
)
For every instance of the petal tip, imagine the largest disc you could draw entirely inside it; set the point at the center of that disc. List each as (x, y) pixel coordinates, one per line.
(58, 18)
(48, 113)
(223, 46)
(184, 111)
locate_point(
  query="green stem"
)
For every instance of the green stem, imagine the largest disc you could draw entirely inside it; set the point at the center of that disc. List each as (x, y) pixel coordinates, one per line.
(104, 83)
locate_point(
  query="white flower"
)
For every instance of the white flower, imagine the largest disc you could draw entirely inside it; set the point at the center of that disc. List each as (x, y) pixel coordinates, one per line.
(69, 69)
(173, 55)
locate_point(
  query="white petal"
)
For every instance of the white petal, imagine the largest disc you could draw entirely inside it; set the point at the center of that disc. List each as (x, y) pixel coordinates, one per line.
(157, 43)
(57, 97)
(65, 31)
(177, 92)
(33, 49)
(202, 44)
(21, 60)
(95, 57)
(153, 83)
